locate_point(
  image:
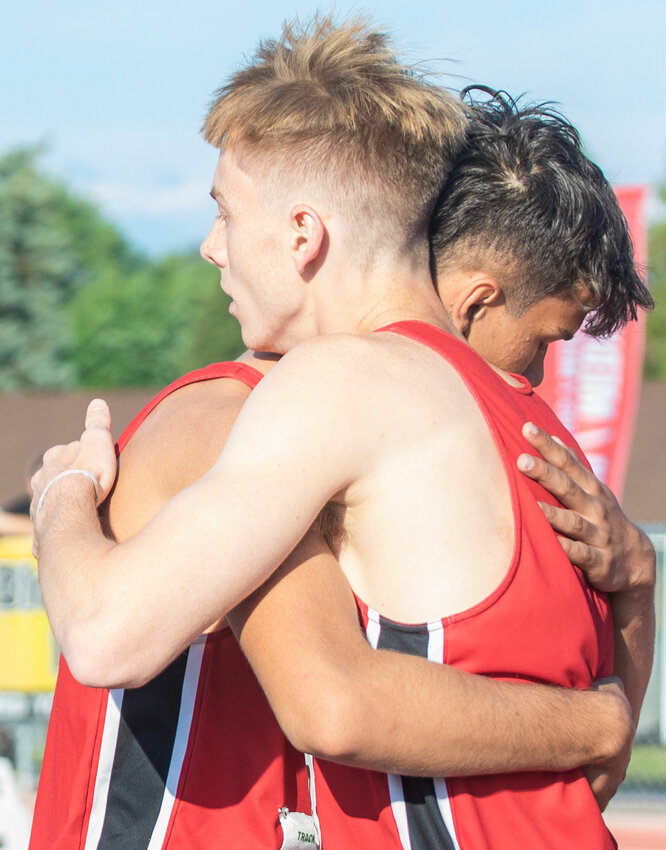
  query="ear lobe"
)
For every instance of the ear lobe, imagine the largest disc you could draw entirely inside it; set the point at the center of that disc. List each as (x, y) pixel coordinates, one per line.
(473, 300)
(308, 236)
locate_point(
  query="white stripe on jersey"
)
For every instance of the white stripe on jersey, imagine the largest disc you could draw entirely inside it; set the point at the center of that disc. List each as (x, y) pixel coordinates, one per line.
(396, 793)
(106, 756)
(436, 653)
(187, 701)
(436, 641)
(399, 809)
(445, 810)
(373, 628)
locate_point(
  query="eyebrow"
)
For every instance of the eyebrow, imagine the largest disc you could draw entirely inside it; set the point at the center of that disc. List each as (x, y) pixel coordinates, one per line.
(217, 196)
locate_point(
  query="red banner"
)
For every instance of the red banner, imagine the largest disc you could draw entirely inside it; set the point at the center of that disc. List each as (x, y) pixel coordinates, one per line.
(594, 385)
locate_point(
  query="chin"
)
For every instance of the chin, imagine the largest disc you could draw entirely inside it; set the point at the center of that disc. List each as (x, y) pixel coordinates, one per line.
(258, 341)
(534, 377)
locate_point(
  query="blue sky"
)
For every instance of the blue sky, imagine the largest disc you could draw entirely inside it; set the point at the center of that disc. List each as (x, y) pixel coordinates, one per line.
(118, 91)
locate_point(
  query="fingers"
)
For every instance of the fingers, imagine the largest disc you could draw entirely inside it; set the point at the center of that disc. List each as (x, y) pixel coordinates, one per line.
(560, 456)
(97, 446)
(555, 480)
(54, 460)
(581, 540)
(571, 524)
(588, 558)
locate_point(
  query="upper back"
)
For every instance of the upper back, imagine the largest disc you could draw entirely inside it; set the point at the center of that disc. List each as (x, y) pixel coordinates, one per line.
(428, 527)
(434, 524)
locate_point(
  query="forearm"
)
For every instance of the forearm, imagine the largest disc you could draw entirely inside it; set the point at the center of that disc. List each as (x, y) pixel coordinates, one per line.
(72, 548)
(634, 623)
(471, 724)
(123, 611)
(201, 554)
(106, 615)
(335, 696)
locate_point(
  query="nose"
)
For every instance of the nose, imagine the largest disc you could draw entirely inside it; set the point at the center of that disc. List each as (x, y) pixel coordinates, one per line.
(535, 371)
(214, 247)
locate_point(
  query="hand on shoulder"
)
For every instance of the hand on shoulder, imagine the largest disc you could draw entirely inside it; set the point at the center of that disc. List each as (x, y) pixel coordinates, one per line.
(597, 536)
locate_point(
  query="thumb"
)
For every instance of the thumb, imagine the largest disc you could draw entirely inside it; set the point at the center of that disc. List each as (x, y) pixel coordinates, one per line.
(98, 415)
(97, 451)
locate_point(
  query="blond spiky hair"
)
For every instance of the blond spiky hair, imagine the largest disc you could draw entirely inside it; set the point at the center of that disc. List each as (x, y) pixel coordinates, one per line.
(332, 104)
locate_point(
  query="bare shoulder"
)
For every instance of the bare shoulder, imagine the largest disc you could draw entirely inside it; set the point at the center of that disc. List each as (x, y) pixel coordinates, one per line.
(186, 432)
(175, 445)
(316, 382)
(344, 388)
(342, 360)
(372, 368)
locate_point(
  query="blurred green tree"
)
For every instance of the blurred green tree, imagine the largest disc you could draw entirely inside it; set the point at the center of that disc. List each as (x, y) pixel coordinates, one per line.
(655, 353)
(80, 306)
(147, 327)
(51, 244)
(38, 271)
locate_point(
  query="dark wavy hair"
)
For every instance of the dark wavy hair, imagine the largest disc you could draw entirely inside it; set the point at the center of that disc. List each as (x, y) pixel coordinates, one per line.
(525, 203)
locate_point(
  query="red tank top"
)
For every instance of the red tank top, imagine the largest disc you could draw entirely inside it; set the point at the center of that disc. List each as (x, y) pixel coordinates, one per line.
(193, 759)
(543, 623)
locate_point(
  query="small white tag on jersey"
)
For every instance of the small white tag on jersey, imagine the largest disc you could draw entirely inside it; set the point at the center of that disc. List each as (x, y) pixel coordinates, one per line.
(299, 831)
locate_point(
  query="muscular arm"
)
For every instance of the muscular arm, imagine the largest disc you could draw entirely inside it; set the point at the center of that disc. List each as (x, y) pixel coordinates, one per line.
(336, 697)
(118, 618)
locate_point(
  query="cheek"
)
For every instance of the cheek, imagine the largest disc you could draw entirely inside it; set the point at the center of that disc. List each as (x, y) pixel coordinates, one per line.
(511, 352)
(523, 350)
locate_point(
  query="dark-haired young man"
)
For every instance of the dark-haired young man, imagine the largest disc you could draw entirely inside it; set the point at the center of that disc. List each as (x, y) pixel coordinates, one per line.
(345, 394)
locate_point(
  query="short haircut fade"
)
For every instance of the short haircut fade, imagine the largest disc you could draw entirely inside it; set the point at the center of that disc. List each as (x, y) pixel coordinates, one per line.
(332, 103)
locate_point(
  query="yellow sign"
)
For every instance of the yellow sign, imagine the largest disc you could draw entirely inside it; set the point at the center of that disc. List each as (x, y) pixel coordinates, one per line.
(29, 657)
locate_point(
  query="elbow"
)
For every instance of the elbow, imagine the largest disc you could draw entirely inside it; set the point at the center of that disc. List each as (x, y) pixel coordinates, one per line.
(327, 726)
(114, 649)
(104, 660)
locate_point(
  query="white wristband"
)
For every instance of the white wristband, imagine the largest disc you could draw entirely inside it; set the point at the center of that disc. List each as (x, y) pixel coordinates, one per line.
(62, 475)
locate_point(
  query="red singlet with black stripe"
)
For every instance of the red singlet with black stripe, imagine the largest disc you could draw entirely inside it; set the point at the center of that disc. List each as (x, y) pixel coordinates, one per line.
(194, 759)
(542, 624)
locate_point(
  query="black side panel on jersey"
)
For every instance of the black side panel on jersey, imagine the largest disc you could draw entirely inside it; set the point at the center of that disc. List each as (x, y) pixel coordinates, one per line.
(148, 722)
(427, 829)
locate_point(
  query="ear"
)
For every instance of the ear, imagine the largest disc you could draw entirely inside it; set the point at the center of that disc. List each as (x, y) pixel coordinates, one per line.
(477, 293)
(308, 238)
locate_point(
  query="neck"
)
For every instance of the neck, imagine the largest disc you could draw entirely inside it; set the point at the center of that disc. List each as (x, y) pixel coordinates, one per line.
(355, 301)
